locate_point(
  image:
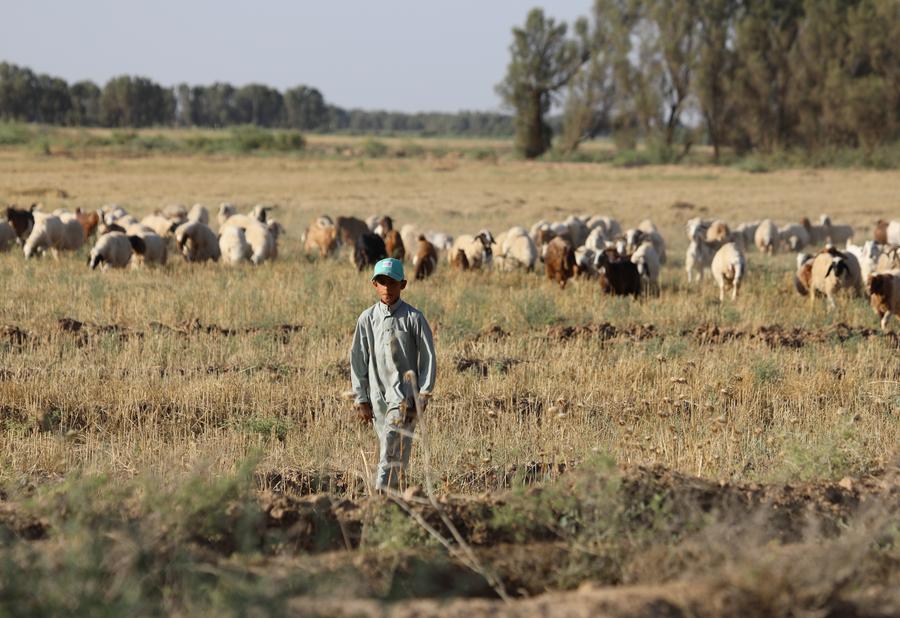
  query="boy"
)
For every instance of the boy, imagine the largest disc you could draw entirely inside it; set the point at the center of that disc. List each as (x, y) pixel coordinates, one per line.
(391, 338)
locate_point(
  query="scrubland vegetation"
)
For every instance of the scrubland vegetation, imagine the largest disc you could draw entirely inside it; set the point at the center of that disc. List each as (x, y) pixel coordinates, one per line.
(177, 441)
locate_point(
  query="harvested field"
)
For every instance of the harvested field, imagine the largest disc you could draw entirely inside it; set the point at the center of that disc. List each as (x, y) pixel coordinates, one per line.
(185, 428)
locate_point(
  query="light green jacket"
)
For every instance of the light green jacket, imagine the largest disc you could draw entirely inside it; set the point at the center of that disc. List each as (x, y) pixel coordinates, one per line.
(388, 342)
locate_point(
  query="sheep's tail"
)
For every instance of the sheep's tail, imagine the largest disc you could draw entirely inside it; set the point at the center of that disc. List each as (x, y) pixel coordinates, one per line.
(739, 266)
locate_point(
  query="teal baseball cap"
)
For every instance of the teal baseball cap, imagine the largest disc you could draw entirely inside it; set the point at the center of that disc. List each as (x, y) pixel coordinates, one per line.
(390, 267)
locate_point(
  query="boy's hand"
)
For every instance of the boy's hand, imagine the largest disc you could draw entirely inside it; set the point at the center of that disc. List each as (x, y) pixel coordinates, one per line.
(364, 413)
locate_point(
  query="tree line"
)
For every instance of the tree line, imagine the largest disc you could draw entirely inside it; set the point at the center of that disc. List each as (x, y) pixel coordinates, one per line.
(748, 75)
(132, 101)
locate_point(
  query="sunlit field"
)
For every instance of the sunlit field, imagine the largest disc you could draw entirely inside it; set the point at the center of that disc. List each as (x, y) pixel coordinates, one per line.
(190, 371)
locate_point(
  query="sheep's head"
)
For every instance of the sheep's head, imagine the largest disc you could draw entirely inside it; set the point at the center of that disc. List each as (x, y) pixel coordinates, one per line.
(839, 267)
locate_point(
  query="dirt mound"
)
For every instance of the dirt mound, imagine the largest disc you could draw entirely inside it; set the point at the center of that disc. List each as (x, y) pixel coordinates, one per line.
(603, 331)
(195, 327)
(483, 366)
(778, 336)
(492, 333)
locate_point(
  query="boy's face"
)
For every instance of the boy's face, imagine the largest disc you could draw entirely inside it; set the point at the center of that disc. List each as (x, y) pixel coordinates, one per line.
(388, 289)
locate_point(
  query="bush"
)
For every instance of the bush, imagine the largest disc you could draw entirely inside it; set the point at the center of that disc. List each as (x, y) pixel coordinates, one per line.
(14, 134)
(374, 149)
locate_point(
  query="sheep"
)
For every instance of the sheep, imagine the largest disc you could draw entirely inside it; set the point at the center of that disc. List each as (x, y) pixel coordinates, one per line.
(832, 272)
(718, 233)
(609, 225)
(647, 261)
(112, 250)
(47, 234)
(88, 220)
(458, 259)
(766, 237)
(596, 239)
(803, 276)
(198, 212)
(634, 237)
(578, 231)
(262, 242)
(226, 210)
(697, 227)
(110, 213)
(153, 248)
(618, 275)
(21, 220)
(816, 232)
(728, 269)
(886, 232)
(867, 256)
(425, 260)
(794, 236)
(515, 250)
(233, 245)
(834, 234)
(585, 258)
(884, 295)
(477, 249)
(647, 226)
(745, 233)
(175, 212)
(160, 225)
(559, 261)
(197, 242)
(888, 260)
(409, 233)
(380, 224)
(8, 236)
(73, 234)
(697, 259)
(321, 236)
(260, 212)
(440, 240)
(543, 232)
(369, 249)
(349, 229)
(393, 244)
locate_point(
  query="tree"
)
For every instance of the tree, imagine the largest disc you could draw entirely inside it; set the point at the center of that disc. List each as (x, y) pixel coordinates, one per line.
(129, 101)
(259, 105)
(543, 60)
(85, 96)
(716, 64)
(305, 109)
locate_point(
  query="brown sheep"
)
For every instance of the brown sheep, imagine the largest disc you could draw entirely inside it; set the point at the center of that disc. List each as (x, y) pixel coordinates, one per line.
(458, 260)
(321, 236)
(425, 260)
(88, 220)
(803, 276)
(349, 229)
(559, 261)
(884, 295)
(394, 244)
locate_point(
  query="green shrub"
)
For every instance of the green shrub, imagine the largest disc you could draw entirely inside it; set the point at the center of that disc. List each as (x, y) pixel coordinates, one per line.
(374, 149)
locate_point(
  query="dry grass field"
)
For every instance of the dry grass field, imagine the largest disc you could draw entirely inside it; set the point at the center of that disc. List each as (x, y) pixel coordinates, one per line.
(143, 392)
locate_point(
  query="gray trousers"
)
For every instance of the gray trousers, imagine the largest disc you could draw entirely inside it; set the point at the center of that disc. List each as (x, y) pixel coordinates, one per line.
(395, 440)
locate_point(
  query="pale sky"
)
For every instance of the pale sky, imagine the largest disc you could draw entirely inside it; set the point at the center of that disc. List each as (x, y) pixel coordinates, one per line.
(404, 55)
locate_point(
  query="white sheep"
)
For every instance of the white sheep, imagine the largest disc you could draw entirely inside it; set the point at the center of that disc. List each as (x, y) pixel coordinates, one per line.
(794, 235)
(648, 262)
(112, 250)
(46, 235)
(766, 237)
(261, 241)
(578, 231)
(610, 226)
(729, 266)
(832, 272)
(73, 233)
(745, 233)
(175, 212)
(596, 239)
(226, 210)
(159, 224)
(834, 234)
(515, 249)
(867, 256)
(634, 237)
(198, 212)
(477, 249)
(586, 261)
(440, 240)
(698, 258)
(197, 242)
(153, 248)
(233, 245)
(260, 212)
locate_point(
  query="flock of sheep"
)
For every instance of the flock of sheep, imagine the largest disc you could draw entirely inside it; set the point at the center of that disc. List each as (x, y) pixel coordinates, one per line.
(628, 262)
(625, 262)
(122, 239)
